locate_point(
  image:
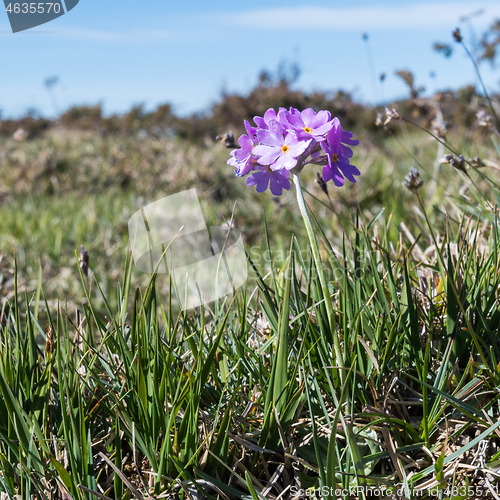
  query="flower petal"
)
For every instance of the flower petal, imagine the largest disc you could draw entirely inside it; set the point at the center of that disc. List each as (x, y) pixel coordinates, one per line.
(348, 170)
(333, 173)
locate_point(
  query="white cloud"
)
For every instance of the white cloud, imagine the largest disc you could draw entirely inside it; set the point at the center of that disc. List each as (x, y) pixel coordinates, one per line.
(415, 16)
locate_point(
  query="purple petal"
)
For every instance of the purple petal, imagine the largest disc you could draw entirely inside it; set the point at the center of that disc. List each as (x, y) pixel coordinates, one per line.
(269, 115)
(317, 121)
(259, 121)
(246, 145)
(308, 116)
(346, 138)
(267, 154)
(334, 136)
(283, 115)
(320, 119)
(278, 183)
(267, 138)
(260, 179)
(297, 147)
(346, 151)
(333, 173)
(284, 161)
(263, 123)
(295, 120)
(251, 131)
(322, 129)
(348, 170)
(272, 136)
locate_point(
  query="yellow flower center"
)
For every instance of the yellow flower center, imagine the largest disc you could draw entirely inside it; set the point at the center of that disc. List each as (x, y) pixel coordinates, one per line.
(284, 149)
(335, 158)
(308, 129)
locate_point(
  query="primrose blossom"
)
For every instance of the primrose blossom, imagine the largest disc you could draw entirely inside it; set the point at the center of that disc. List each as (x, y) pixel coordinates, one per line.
(284, 142)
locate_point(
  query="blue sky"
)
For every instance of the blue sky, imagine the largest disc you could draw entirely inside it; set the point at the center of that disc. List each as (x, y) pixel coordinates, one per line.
(125, 52)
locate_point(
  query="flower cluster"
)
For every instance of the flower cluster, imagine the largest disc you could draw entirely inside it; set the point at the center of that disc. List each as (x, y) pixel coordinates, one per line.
(286, 141)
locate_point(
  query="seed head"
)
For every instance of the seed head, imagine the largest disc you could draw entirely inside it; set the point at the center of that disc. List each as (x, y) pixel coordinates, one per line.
(483, 119)
(476, 162)
(457, 36)
(413, 181)
(322, 184)
(84, 261)
(446, 159)
(457, 162)
(391, 114)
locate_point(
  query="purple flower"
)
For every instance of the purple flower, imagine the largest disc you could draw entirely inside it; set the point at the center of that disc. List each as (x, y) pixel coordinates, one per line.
(310, 125)
(251, 131)
(269, 116)
(263, 122)
(278, 147)
(288, 140)
(277, 179)
(338, 155)
(242, 159)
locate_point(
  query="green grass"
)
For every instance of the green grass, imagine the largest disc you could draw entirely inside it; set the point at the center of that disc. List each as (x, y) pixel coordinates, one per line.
(128, 397)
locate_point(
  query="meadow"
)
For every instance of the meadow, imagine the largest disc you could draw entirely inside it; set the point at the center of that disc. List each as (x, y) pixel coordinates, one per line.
(110, 391)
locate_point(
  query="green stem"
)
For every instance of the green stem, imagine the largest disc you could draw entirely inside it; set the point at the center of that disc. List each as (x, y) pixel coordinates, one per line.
(321, 274)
